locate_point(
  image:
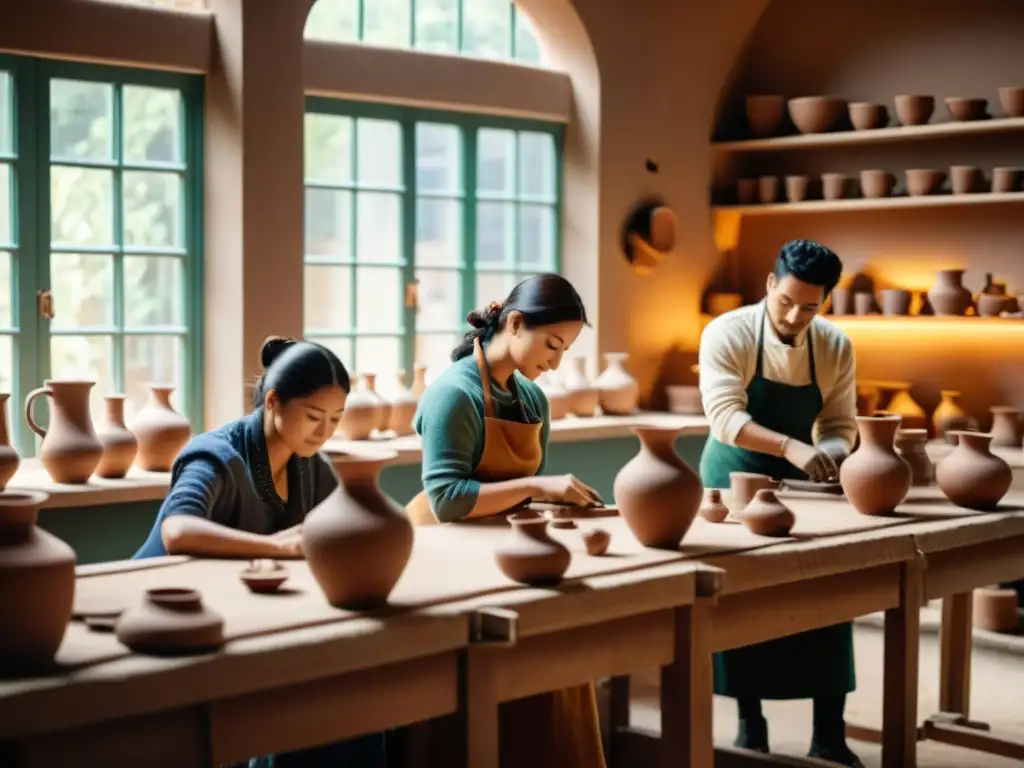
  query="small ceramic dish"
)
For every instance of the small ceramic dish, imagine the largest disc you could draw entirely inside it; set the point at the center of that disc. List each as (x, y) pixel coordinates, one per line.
(264, 576)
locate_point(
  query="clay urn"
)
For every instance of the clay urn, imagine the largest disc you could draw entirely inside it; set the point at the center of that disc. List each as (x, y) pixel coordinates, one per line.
(949, 416)
(949, 296)
(264, 576)
(71, 449)
(583, 394)
(596, 540)
(362, 413)
(833, 186)
(896, 301)
(924, 181)
(815, 114)
(712, 508)
(1011, 99)
(961, 109)
(914, 109)
(910, 444)
(765, 515)
(971, 476)
(161, 431)
(656, 491)
(37, 586)
(746, 191)
(764, 114)
(358, 540)
(866, 117)
(744, 486)
(796, 188)
(119, 444)
(1006, 427)
(558, 398)
(9, 459)
(403, 407)
(419, 380)
(1006, 179)
(875, 183)
(995, 609)
(618, 392)
(170, 621)
(874, 477)
(768, 189)
(529, 555)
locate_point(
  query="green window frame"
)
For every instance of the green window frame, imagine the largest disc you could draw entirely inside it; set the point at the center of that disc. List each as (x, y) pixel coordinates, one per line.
(490, 256)
(157, 253)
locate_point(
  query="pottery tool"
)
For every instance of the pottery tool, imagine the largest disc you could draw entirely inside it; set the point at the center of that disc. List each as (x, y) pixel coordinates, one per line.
(809, 486)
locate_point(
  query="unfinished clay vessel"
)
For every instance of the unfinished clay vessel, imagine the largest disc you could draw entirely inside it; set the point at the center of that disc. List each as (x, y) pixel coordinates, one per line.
(924, 181)
(71, 450)
(950, 417)
(419, 380)
(170, 621)
(9, 459)
(874, 477)
(712, 508)
(1005, 179)
(765, 515)
(657, 493)
(596, 540)
(910, 444)
(358, 540)
(961, 108)
(161, 431)
(529, 555)
(965, 179)
(867, 117)
(1011, 99)
(37, 585)
(971, 476)
(403, 407)
(876, 183)
(1006, 427)
(558, 398)
(362, 413)
(764, 114)
(949, 296)
(815, 114)
(914, 109)
(583, 395)
(617, 390)
(119, 444)
(995, 609)
(744, 486)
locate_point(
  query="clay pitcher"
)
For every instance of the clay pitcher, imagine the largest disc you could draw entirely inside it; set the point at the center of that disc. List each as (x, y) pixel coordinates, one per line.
(358, 540)
(529, 555)
(910, 443)
(618, 392)
(71, 450)
(9, 459)
(875, 478)
(1006, 427)
(971, 476)
(161, 431)
(119, 444)
(658, 495)
(37, 585)
(403, 407)
(583, 395)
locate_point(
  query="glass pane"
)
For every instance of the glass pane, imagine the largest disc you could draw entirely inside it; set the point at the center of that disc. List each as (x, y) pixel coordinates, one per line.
(527, 46)
(493, 286)
(437, 158)
(149, 359)
(6, 207)
(382, 356)
(536, 236)
(336, 21)
(496, 162)
(495, 233)
(7, 376)
(328, 217)
(342, 347)
(438, 232)
(328, 146)
(487, 28)
(6, 113)
(152, 125)
(81, 206)
(434, 350)
(437, 25)
(387, 23)
(440, 296)
(327, 298)
(537, 164)
(378, 227)
(379, 298)
(379, 157)
(83, 289)
(152, 209)
(81, 120)
(85, 357)
(6, 291)
(153, 292)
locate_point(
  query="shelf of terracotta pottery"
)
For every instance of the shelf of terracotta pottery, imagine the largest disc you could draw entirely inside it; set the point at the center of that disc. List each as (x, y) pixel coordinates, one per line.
(873, 204)
(137, 486)
(968, 321)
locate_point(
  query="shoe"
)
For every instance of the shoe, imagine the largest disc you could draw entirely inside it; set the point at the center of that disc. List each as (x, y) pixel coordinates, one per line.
(839, 755)
(753, 735)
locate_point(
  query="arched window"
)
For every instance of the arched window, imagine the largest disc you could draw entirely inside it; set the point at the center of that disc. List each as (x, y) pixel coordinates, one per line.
(491, 29)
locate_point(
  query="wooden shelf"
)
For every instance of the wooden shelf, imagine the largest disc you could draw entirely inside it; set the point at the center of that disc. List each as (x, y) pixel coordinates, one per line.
(877, 136)
(924, 320)
(873, 204)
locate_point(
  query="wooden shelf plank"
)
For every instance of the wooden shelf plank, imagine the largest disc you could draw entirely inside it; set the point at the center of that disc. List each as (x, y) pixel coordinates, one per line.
(873, 204)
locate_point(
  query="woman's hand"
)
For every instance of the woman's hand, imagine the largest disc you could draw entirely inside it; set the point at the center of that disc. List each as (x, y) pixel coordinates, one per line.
(289, 541)
(568, 489)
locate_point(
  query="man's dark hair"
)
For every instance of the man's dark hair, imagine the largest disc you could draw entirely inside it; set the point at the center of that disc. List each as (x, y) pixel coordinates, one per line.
(809, 262)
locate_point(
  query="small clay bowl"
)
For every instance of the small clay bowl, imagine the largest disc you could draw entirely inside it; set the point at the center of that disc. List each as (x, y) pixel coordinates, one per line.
(796, 188)
(924, 181)
(833, 186)
(815, 114)
(1011, 99)
(965, 179)
(876, 183)
(867, 117)
(596, 540)
(264, 576)
(962, 109)
(1005, 179)
(991, 305)
(914, 109)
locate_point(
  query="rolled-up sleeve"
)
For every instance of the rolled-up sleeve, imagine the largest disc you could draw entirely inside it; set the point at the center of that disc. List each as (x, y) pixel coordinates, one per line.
(837, 423)
(723, 388)
(452, 434)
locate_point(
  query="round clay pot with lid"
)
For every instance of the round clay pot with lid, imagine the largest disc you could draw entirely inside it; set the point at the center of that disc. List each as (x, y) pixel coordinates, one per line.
(713, 509)
(910, 443)
(971, 476)
(161, 431)
(962, 109)
(119, 444)
(874, 477)
(815, 114)
(965, 179)
(949, 296)
(796, 188)
(9, 459)
(170, 621)
(764, 114)
(866, 117)
(876, 183)
(1011, 99)
(895, 301)
(924, 181)
(1005, 179)
(914, 109)
(765, 515)
(71, 450)
(834, 186)
(618, 392)
(1006, 427)
(768, 189)
(529, 555)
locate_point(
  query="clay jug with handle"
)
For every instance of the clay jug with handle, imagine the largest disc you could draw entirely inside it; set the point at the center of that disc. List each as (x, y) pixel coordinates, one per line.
(71, 449)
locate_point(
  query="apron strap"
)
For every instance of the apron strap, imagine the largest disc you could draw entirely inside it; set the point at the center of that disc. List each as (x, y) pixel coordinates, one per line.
(760, 349)
(485, 377)
(760, 344)
(810, 353)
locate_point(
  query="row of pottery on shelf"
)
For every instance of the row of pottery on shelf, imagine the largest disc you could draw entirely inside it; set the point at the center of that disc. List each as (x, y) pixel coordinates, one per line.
(570, 391)
(368, 412)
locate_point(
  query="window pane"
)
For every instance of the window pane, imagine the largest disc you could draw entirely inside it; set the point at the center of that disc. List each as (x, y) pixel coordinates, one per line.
(382, 356)
(85, 357)
(495, 233)
(438, 232)
(342, 347)
(379, 227)
(152, 209)
(440, 295)
(379, 158)
(527, 46)
(7, 377)
(6, 207)
(6, 291)
(328, 217)
(151, 359)
(487, 28)
(81, 206)
(536, 236)
(83, 289)
(493, 286)
(437, 158)
(496, 162)
(81, 120)
(336, 21)
(387, 22)
(6, 113)
(379, 298)
(153, 292)
(537, 164)
(327, 298)
(152, 125)
(328, 147)
(437, 25)
(434, 350)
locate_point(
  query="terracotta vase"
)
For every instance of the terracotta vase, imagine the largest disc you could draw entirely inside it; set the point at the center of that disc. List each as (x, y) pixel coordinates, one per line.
(583, 395)
(657, 493)
(949, 296)
(1006, 427)
(37, 585)
(358, 540)
(902, 404)
(558, 398)
(596, 540)
(910, 444)
(119, 444)
(9, 459)
(874, 477)
(765, 515)
(70, 450)
(995, 609)
(971, 476)
(744, 486)
(170, 621)
(403, 407)
(529, 555)
(949, 416)
(618, 392)
(383, 404)
(362, 413)
(712, 508)
(161, 431)
(419, 380)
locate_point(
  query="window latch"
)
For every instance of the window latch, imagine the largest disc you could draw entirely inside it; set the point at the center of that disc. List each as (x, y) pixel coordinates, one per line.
(44, 301)
(412, 295)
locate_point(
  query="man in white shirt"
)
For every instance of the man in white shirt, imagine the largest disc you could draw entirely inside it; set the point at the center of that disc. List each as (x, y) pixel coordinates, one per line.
(779, 388)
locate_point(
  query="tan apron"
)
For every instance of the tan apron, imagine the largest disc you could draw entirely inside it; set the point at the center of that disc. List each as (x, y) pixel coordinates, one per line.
(556, 730)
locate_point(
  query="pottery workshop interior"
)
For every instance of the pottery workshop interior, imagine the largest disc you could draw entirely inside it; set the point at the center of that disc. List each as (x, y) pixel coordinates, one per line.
(511, 383)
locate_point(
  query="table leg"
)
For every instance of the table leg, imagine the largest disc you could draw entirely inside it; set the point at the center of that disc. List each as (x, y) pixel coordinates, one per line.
(900, 678)
(955, 641)
(481, 713)
(687, 736)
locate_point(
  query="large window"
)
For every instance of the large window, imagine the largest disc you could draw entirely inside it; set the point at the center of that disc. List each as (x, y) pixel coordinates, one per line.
(99, 232)
(492, 29)
(413, 218)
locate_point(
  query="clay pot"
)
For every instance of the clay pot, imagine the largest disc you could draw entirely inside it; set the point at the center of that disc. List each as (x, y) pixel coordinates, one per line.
(768, 189)
(764, 114)
(161, 431)
(815, 114)
(971, 476)
(796, 188)
(875, 183)
(895, 301)
(949, 296)
(866, 117)
(833, 186)
(358, 540)
(684, 399)
(170, 621)
(119, 444)
(901, 404)
(1011, 99)
(264, 576)
(765, 515)
(995, 609)
(961, 109)
(529, 555)
(419, 380)
(71, 450)
(864, 303)
(874, 477)
(403, 407)
(656, 492)
(1006, 427)
(991, 304)
(712, 508)
(1005, 179)
(362, 413)
(596, 540)
(842, 301)
(558, 398)
(583, 395)
(746, 191)
(924, 181)
(743, 486)
(914, 110)
(949, 416)
(37, 586)
(965, 179)
(910, 444)
(383, 404)
(617, 390)
(9, 459)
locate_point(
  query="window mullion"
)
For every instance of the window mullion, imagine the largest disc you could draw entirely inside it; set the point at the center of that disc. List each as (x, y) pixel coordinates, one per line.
(408, 241)
(353, 230)
(117, 136)
(467, 248)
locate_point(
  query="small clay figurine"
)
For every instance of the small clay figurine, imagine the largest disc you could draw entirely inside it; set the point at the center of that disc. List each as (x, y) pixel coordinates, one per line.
(596, 541)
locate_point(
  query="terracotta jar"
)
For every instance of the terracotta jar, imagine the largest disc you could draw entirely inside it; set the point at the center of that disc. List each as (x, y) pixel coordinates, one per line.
(358, 540)
(745, 485)
(119, 444)
(657, 493)
(833, 186)
(37, 585)
(965, 179)
(362, 413)
(583, 395)
(995, 609)
(170, 621)
(558, 398)
(596, 540)
(529, 555)
(419, 380)
(949, 296)
(70, 450)
(949, 416)
(161, 431)
(765, 515)
(910, 444)
(874, 477)
(971, 476)
(618, 392)
(1006, 427)
(914, 109)
(815, 114)
(712, 508)
(9, 459)
(403, 407)
(383, 404)
(876, 183)
(764, 114)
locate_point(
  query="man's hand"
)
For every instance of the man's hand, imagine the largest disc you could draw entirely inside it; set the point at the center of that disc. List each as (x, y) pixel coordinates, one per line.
(819, 466)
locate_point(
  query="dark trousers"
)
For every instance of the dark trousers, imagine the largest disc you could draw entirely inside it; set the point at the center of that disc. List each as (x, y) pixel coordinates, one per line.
(361, 752)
